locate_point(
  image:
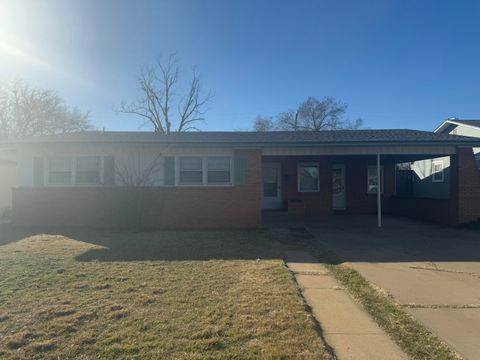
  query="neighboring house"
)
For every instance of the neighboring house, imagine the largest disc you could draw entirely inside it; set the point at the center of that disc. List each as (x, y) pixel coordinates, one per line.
(226, 179)
(8, 179)
(432, 176)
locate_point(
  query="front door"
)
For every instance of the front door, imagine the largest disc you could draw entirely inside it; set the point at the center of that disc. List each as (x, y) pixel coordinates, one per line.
(272, 191)
(338, 187)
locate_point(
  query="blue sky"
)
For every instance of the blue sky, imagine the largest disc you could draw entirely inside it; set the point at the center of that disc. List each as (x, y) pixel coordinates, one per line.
(397, 63)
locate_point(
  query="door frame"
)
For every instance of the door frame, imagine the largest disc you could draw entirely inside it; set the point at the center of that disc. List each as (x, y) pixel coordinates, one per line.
(344, 187)
(278, 202)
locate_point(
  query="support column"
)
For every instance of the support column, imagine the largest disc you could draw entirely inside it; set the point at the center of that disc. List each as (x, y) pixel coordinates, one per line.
(379, 192)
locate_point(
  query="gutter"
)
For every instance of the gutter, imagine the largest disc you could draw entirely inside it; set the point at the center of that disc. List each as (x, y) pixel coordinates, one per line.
(464, 143)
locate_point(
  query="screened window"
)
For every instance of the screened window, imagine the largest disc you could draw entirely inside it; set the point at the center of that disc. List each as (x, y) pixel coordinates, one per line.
(308, 178)
(372, 181)
(437, 171)
(191, 170)
(88, 170)
(218, 170)
(60, 171)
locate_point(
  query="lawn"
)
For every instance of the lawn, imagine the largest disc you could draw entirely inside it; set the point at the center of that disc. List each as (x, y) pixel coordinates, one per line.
(184, 294)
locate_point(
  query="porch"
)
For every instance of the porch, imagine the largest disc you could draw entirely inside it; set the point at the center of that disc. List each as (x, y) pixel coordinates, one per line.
(309, 186)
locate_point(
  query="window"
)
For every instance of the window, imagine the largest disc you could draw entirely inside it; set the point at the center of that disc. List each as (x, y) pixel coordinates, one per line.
(218, 170)
(191, 170)
(437, 171)
(60, 171)
(372, 181)
(88, 170)
(308, 178)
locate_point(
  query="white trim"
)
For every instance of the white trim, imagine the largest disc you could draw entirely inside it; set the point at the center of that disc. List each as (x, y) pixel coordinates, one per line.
(453, 122)
(442, 171)
(311, 164)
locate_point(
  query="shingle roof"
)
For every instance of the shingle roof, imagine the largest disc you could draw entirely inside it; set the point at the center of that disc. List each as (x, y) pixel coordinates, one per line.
(286, 138)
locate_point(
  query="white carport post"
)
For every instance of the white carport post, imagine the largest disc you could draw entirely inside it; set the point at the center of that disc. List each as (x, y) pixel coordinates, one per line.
(379, 192)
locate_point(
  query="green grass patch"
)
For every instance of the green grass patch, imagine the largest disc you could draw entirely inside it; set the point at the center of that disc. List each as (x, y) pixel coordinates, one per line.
(152, 295)
(417, 341)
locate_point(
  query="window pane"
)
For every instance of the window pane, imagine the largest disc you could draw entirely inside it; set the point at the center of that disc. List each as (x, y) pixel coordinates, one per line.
(269, 174)
(88, 163)
(308, 177)
(372, 179)
(60, 164)
(218, 170)
(88, 170)
(437, 171)
(218, 177)
(59, 171)
(191, 172)
(218, 163)
(190, 177)
(60, 178)
(190, 163)
(437, 168)
(270, 189)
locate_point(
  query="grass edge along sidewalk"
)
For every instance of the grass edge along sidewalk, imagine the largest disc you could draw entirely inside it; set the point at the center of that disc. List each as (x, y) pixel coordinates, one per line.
(412, 337)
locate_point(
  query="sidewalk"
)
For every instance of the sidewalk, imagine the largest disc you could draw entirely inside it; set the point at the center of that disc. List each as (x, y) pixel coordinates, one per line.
(347, 328)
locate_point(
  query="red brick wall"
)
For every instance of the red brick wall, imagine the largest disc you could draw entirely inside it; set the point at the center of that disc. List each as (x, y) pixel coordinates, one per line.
(316, 203)
(162, 207)
(358, 201)
(467, 179)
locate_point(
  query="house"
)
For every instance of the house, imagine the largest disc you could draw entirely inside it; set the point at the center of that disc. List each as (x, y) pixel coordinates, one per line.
(8, 179)
(432, 176)
(227, 179)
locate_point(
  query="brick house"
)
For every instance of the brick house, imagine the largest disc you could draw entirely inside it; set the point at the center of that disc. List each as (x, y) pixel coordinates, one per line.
(227, 179)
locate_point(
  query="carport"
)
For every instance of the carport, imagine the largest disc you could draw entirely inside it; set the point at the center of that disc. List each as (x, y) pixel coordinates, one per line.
(343, 176)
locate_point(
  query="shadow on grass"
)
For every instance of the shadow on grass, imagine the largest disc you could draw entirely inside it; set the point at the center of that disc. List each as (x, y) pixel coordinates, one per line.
(10, 233)
(188, 245)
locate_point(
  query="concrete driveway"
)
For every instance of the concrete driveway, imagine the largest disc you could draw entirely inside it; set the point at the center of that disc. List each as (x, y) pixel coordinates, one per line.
(433, 271)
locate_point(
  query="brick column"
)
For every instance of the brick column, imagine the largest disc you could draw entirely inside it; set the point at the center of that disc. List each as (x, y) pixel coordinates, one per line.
(465, 186)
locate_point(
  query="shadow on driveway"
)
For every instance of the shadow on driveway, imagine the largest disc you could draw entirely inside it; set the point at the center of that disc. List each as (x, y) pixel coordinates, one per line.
(357, 239)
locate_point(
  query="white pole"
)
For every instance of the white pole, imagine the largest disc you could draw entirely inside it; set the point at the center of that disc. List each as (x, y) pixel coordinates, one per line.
(379, 192)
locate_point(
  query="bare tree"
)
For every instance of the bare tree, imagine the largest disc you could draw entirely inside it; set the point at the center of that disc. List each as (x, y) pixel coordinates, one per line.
(25, 111)
(288, 120)
(314, 115)
(263, 123)
(159, 103)
(325, 114)
(135, 173)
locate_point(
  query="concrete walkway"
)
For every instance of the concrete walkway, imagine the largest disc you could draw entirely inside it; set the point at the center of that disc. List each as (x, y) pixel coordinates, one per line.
(347, 328)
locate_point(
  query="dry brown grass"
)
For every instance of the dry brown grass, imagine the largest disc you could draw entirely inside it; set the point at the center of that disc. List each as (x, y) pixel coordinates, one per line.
(190, 295)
